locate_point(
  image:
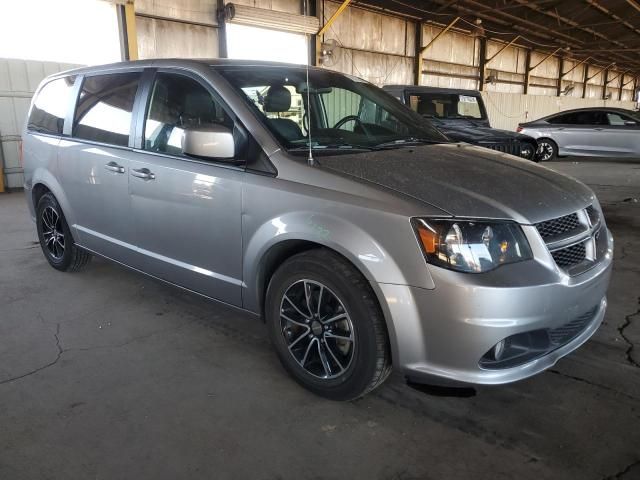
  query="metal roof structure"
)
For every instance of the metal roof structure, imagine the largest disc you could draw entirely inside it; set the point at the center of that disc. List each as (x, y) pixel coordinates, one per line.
(602, 32)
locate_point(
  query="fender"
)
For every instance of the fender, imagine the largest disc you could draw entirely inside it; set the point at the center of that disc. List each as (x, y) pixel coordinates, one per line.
(337, 234)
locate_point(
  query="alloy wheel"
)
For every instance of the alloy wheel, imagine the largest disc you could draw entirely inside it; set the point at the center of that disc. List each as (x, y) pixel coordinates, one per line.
(52, 232)
(317, 329)
(545, 151)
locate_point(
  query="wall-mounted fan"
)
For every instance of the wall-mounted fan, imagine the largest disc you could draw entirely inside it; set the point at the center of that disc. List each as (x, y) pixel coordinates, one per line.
(330, 51)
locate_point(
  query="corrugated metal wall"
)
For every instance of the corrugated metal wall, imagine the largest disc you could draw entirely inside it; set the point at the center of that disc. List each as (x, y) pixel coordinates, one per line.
(377, 47)
(18, 81)
(188, 28)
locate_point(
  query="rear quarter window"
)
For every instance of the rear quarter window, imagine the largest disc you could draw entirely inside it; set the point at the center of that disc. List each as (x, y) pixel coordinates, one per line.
(105, 105)
(50, 106)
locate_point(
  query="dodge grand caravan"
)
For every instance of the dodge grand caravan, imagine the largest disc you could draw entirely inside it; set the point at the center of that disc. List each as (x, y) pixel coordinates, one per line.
(361, 235)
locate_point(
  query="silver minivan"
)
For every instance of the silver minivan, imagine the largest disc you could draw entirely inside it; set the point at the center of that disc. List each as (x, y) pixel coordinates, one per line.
(362, 236)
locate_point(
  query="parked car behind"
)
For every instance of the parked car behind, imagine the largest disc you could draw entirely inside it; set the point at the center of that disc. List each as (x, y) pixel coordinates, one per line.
(462, 117)
(588, 132)
(391, 247)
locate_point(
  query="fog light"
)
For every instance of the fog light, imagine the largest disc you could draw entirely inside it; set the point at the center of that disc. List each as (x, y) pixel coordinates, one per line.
(498, 350)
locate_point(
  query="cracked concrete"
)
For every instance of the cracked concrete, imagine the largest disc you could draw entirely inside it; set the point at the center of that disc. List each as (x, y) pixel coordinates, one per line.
(108, 374)
(622, 328)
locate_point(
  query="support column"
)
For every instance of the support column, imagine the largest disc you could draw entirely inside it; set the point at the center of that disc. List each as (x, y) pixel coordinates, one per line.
(559, 80)
(222, 30)
(127, 30)
(527, 71)
(604, 87)
(418, 64)
(482, 52)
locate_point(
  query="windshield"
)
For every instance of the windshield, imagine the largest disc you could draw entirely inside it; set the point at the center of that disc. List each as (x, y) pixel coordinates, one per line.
(346, 113)
(447, 105)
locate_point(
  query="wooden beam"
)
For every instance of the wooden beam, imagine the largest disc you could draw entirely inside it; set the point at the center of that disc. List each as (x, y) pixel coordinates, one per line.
(442, 32)
(546, 58)
(601, 70)
(574, 67)
(634, 4)
(333, 18)
(503, 49)
(585, 79)
(618, 76)
(604, 85)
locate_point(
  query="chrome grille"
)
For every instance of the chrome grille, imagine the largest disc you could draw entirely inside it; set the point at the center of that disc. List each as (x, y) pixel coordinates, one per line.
(558, 226)
(594, 216)
(567, 332)
(573, 239)
(569, 256)
(512, 148)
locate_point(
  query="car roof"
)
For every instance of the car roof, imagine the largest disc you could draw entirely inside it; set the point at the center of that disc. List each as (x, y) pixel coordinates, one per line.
(179, 62)
(422, 88)
(586, 109)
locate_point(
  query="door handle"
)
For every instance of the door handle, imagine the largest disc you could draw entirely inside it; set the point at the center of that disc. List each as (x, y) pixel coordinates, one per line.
(114, 167)
(143, 173)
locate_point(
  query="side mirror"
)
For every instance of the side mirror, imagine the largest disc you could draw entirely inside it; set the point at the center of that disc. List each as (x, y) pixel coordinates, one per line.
(213, 141)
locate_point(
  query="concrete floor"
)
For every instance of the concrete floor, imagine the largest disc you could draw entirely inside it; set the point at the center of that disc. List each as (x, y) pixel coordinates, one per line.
(107, 374)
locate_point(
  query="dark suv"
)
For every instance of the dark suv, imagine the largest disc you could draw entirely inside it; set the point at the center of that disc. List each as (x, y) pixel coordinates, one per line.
(461, 116)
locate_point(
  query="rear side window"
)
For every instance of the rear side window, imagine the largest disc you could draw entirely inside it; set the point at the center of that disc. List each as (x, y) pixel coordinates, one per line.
(50, 106)
(588, 117)
(566, 119)
(617, 119)
(104, 110)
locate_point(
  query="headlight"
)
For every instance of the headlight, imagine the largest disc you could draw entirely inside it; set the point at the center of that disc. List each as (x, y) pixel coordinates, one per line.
(470, 246)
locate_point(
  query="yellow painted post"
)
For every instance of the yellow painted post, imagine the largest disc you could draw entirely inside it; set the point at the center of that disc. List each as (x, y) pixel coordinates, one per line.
(130, 21)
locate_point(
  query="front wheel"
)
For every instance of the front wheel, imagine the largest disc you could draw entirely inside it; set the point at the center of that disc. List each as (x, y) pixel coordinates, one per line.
(55, 237)
(326, 326)
(547, 150)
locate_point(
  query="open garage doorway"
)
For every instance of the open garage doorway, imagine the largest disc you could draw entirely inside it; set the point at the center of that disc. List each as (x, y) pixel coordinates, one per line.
(274, 45)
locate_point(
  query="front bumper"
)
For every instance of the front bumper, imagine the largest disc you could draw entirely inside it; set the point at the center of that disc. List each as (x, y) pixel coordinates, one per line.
(440, 335)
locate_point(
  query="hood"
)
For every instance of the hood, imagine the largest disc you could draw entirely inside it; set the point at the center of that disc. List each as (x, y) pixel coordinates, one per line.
(468, 181)
(476, 133)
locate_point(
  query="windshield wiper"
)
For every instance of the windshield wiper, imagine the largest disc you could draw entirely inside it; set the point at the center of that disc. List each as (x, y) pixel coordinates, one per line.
(331, 146)
(406, 141)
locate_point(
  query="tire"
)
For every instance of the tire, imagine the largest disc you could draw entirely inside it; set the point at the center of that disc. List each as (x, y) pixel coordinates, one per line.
(533, 156)
(547, 150)
(351, 368)
(55, 237)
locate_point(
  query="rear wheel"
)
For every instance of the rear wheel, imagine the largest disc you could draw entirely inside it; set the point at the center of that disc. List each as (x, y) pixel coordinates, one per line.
(55, 237)
(547, 150)
(326, 326)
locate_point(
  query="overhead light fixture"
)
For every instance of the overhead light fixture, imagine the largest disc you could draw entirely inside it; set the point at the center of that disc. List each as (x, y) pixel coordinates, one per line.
(477, 30)
(274, 20)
